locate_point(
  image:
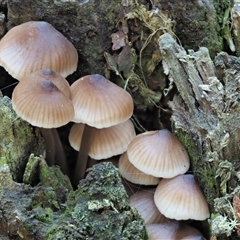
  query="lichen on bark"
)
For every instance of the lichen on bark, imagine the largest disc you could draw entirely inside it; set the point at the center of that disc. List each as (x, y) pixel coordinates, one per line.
(99, 209)
(18, 139)
(50, 209)
(206, 117)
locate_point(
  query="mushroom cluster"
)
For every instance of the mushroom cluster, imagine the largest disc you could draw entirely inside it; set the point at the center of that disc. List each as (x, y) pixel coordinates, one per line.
(102, 112)
(159, 158)
(43, 97)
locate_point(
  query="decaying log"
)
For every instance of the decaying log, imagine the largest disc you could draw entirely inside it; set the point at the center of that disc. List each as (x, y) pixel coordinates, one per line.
(206, 116)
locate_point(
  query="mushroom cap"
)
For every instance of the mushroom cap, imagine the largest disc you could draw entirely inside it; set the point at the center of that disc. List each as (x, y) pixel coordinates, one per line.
(143, 201)
(181, 198)
(50, 75)
(42, 104)
(158, 153)
(193, 237)
(100, 103)
(132, 174)
(106, 142)
(36, 45)
(171, 230)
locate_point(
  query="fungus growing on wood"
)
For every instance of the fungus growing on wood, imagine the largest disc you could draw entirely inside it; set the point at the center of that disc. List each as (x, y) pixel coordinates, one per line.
(134, 175)
(158, 153)
(98, 103)
(181, 198)
(41, 103)
(36, 45)
(106, 142)
(143, 201)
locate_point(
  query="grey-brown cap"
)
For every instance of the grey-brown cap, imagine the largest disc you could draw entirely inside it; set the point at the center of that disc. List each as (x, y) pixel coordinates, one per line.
(106, 142)
(173, 230)
(50, 75)
(100, 103)
(143, 201)
(134, 175)
(42, 104)
(36, 45)
(158, 153)
(181, 198)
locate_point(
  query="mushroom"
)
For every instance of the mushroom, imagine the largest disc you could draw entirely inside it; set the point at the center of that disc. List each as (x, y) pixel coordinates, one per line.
(40, 102)
(171, 230)
(36, 45)
(181, 198)
(132, 174)
(158, 153)
(143, 201)
(106, 142)
(98, 103)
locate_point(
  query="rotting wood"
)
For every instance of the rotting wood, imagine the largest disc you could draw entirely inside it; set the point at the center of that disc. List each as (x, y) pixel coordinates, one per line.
(206, 118)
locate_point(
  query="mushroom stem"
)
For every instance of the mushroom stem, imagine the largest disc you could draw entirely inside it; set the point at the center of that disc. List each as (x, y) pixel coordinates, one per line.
(59, 153)
(82, 158)
(49, 145)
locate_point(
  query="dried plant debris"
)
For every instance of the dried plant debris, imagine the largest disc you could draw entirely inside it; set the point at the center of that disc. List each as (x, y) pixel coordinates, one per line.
(135, 57)
(226, 221)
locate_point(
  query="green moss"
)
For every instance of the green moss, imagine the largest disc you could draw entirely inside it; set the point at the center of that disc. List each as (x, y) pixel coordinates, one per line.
(222, 19)
(44, 215)
(203, 171)
(18, 139)
(99, 209)
(3, 161)
(55, 183)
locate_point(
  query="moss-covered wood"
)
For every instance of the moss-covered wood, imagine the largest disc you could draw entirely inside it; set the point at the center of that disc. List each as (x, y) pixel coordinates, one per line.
(206, 117)
(98, 209)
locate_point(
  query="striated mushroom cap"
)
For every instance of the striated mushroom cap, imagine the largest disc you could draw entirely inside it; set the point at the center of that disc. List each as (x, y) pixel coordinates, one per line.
(36, 45)
(42, 104)
(181, 198)
(158, 153)
(106, 142)
(134, 175)
(100, 103)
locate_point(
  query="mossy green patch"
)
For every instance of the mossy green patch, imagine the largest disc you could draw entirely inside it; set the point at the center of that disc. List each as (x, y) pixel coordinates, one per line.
(203, 171)
(99, 209)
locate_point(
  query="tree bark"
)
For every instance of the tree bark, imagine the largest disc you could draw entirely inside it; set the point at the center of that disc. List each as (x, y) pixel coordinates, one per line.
(206, 117)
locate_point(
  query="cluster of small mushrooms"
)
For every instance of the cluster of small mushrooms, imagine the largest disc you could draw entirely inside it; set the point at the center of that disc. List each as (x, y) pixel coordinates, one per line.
(159, 158)
(40, 57)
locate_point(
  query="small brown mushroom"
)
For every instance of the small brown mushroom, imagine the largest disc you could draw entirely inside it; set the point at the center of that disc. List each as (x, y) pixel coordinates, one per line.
(36, 45)
(98, 103)
(181, 198)
(143, 201)
(171, 230)
(158, 153)
(41, 103)
(106, 142)
(132, 174)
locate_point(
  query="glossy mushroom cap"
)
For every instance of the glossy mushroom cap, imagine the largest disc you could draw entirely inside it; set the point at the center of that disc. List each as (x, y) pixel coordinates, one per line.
(181, 198)
(132, 174)
(143, 201)
(106, 142)
(100, 103)
(158, 153)
(171, 230)
(42, 104)
(36, 45)
(193, 237)
(50, 75)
